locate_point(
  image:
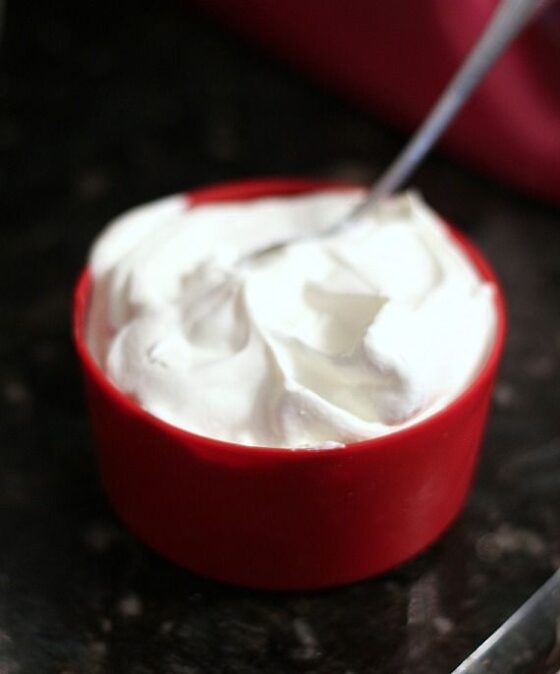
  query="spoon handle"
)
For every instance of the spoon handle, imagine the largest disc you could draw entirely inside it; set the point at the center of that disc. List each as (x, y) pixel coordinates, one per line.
(531, 632)
(508, 20)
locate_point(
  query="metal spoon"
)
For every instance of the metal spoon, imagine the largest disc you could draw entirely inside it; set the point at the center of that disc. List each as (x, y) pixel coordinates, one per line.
(532, 632)
(508, 20)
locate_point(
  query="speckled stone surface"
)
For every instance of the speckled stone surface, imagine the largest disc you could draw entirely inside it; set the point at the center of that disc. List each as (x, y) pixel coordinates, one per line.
(107, 105)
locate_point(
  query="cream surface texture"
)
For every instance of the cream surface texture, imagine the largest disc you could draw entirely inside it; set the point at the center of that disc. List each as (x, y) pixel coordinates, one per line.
(324, 342)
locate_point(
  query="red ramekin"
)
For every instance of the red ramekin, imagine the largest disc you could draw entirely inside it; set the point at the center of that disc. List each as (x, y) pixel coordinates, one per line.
(275, 518)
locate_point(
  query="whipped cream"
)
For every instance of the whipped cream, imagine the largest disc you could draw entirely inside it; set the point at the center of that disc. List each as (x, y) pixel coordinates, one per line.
(324, 342)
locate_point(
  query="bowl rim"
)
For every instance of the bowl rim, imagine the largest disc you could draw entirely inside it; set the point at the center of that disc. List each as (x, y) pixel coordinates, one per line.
(245, 190)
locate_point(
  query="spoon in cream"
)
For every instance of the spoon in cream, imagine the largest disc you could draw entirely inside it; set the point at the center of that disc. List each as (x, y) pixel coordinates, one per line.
(508, 20)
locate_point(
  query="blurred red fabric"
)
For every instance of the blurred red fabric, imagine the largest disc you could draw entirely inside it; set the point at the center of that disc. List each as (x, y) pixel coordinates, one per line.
(396, 56)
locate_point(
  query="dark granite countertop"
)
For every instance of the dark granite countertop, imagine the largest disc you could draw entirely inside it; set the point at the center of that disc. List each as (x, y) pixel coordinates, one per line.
(107, 105)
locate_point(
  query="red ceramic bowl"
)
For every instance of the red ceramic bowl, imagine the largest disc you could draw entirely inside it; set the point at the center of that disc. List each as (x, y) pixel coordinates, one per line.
(275, 518)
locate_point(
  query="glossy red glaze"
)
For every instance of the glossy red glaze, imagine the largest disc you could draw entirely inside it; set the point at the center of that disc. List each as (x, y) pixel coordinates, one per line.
(276, 518)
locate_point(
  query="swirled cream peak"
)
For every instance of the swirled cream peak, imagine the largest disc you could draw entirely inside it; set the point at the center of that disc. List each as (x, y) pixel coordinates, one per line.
(326, 341)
